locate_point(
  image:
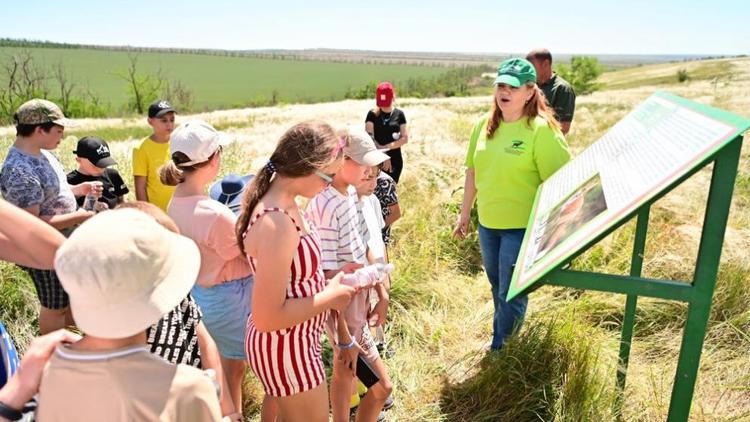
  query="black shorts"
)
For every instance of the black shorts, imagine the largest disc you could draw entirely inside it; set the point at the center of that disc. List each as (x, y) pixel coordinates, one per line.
(48, 288)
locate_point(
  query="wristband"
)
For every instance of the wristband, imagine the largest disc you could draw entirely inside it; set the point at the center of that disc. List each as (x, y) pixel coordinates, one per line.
(346, 346)
(9, 413)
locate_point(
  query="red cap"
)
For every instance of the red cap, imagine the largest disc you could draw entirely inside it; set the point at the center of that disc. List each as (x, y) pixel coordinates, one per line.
(384, 94)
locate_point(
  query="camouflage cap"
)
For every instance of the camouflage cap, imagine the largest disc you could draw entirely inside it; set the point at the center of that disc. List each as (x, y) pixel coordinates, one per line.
(38, 111)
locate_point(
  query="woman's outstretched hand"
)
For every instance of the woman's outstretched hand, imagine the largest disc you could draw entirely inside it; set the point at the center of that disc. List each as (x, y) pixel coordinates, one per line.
(462, 226)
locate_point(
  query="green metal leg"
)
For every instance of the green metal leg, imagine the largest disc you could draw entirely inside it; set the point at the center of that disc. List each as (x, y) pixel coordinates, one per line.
(626, 339)
(709, 254)
(628, 322)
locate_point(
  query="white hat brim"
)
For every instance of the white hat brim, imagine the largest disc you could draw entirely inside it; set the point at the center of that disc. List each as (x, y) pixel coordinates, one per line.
(126, 319)
(373, 158)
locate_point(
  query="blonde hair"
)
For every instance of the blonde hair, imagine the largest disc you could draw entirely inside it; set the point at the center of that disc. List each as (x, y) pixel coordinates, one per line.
(535, 106)
(172, 174)
(377, 110)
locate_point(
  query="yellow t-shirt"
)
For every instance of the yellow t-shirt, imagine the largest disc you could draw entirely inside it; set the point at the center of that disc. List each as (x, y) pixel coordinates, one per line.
(147, 158)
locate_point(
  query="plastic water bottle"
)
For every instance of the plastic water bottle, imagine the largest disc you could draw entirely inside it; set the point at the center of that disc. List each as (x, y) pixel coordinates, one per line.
(90, 202)
(367, 276)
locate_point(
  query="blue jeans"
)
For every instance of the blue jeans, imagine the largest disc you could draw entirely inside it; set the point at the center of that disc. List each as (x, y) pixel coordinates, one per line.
(499, 254)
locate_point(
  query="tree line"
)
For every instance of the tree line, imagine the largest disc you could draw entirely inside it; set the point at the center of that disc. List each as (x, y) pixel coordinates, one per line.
(338, 57)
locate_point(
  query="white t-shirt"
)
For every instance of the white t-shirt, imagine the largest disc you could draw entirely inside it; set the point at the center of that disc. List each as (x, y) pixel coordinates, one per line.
(373, 220)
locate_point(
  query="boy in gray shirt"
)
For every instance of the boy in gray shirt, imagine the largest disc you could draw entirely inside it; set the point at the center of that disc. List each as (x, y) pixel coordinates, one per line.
(33, 179)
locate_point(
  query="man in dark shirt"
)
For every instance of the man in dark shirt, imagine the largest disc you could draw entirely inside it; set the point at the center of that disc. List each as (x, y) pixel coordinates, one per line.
(560, 95)
(94, 159)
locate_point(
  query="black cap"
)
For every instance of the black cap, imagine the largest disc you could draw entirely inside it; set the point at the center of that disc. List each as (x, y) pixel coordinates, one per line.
(159, 108)
(95, 150)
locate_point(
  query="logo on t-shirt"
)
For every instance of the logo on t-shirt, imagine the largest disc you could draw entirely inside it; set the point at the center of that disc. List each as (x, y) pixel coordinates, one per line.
(516, 147)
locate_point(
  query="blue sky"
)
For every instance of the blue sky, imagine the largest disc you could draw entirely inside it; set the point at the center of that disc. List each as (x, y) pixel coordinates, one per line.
(578, 27)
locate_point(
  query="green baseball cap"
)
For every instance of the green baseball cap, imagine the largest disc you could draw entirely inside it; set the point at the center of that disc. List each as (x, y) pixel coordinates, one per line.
(38, 111)
(515, 72)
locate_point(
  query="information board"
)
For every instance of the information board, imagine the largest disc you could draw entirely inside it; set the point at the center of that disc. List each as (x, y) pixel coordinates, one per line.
(660, 141)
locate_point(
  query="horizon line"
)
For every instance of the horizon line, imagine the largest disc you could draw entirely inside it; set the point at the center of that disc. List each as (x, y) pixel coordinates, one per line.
(302, 49)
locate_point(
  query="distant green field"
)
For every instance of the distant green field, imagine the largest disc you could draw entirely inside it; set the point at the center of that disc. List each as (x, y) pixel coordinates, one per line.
(222, 82)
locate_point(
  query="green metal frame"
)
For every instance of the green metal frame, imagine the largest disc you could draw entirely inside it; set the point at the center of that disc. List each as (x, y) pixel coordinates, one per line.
(698, 294)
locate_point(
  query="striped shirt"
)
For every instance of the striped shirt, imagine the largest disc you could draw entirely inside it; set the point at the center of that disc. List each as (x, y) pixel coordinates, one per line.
(342, 231)
(364, 233)
(288, 361)
(340, 226)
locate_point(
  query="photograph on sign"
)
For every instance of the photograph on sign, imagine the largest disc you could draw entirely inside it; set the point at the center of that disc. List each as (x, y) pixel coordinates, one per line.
(564, 219)
(658, 142)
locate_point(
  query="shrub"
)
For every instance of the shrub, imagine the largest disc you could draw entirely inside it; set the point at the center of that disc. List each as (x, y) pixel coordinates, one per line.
(581, 73)
(682, 75)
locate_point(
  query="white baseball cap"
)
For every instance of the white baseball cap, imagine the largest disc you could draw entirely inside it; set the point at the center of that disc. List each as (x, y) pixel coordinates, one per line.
(196, 139)
(361, 148)
(123, 271)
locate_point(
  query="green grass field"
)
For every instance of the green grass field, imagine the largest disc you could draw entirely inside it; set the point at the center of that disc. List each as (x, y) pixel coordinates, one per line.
(222, 82)
(561, 366)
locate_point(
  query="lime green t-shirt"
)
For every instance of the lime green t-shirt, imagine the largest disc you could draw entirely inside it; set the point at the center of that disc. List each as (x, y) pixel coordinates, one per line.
(510, 166)
(147, 158)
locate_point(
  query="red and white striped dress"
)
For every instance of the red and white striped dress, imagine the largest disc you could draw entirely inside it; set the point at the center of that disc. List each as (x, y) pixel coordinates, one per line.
(288, 361)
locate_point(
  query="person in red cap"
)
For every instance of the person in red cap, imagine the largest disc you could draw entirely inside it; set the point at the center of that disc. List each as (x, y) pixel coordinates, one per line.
(387, 126)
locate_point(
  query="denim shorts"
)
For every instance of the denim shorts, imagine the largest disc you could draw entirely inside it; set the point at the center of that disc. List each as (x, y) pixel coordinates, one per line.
(226, 308)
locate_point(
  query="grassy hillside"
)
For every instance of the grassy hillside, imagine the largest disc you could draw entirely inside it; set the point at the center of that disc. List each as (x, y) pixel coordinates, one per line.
(562, 365)
(717, 70)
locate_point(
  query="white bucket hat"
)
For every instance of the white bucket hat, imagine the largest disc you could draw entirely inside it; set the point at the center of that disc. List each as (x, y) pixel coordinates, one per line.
(196, 139)
(123, 271)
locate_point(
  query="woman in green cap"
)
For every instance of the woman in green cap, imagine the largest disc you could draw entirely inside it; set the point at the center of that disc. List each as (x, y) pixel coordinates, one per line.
(511, 152)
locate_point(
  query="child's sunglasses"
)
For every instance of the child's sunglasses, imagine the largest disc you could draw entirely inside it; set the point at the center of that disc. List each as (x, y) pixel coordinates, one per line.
(328, 178)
